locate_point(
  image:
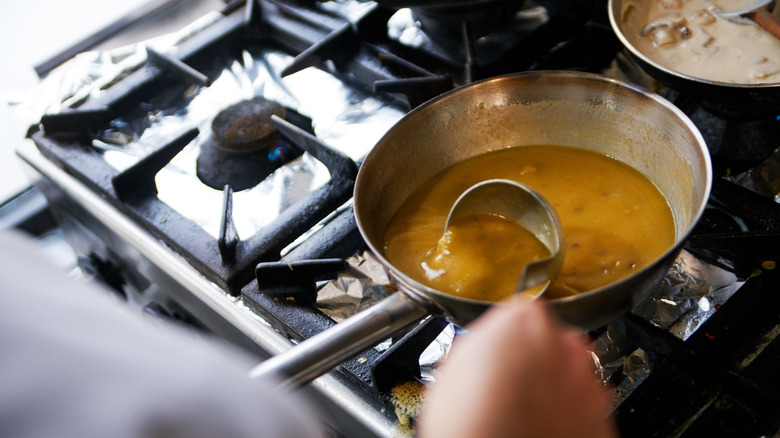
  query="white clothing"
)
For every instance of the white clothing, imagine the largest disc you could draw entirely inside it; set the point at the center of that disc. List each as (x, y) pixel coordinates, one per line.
(74, 363)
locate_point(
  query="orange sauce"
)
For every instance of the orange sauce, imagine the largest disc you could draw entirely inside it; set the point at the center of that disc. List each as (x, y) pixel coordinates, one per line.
(615, 222)
(476, 246)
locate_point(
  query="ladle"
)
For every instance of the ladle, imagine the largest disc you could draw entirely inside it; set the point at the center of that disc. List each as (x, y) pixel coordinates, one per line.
(750, 9)
(732, 8)
(400, 311)
(524, 206)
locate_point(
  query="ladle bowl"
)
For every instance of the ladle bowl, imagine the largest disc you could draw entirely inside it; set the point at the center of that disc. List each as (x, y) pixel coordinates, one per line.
(735, 9)
(530, 210)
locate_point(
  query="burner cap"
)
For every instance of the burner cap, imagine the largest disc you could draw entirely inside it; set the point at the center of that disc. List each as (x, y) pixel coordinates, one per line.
(244, 147)
(246, 125)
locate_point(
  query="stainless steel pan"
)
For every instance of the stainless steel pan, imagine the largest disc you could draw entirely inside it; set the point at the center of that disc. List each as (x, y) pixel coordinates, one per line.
(560, 108)
(728, 100)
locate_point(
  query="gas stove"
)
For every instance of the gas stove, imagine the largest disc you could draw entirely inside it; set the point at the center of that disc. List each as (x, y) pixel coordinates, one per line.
(207, 176)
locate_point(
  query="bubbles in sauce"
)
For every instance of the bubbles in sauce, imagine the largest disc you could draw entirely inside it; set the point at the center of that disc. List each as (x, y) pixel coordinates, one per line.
(615, 222)
(687, 36)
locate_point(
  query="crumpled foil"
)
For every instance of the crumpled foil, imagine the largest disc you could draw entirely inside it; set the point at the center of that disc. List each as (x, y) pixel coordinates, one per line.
(343, 118)
(363, 283)
(763, 179)
(690, 293)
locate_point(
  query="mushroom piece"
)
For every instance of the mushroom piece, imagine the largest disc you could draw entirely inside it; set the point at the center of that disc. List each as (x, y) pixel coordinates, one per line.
(758, 60)
(702, 43)
(664, 36)
(765, 71)
(654, 27)
(629, 13)
(671, 4)
(702, 17)
(666, 29)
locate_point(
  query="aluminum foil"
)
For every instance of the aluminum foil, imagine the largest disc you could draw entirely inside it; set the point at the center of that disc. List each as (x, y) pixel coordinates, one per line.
(763, 179)
(343, 118)
(363, 283)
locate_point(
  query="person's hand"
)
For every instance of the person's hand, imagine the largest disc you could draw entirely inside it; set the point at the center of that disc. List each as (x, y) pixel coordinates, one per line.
(518, 373)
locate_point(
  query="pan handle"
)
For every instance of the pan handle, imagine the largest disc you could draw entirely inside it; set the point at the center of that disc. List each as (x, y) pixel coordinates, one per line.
(329, 348)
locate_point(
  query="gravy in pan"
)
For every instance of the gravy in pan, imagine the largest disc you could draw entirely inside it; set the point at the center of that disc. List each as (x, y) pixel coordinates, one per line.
(687, 37)
(615, 222)
(473, 248)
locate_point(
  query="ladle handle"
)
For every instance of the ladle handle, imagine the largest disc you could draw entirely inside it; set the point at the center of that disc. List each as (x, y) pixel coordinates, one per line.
(766, 20)
(326, 350)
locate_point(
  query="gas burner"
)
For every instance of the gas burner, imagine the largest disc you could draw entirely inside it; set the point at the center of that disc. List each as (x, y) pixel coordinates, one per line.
(480, 39)
(244, 147)
(446, 22)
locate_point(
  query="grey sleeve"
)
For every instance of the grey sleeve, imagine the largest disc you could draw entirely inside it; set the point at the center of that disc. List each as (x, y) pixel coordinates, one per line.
(76, 363)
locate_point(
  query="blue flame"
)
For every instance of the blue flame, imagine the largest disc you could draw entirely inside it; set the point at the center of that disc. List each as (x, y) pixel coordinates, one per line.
(279, 153)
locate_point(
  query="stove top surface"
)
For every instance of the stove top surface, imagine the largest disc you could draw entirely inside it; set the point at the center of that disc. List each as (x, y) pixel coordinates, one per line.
(286, 248)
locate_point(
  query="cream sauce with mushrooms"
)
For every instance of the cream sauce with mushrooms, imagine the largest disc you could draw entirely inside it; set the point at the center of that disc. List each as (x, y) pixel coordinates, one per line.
(689, 37)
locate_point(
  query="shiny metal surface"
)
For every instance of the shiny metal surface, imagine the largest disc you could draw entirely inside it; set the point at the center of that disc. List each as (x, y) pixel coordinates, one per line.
(343, 407)
(560, 108)
(326, 350)
(742, 7)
